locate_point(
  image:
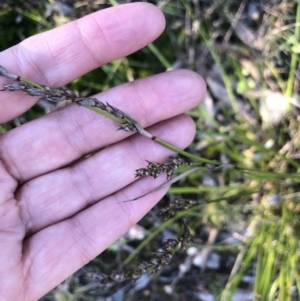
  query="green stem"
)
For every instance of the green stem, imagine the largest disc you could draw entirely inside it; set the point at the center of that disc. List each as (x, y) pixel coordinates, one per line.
(34, 84)
(294, 58)
(159, 56)
(106, 114)
(125, 119)
(184, 153)
(225, 77)
(156, 139)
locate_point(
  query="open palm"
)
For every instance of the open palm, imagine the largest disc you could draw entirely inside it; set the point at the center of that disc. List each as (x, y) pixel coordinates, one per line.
(58, 212)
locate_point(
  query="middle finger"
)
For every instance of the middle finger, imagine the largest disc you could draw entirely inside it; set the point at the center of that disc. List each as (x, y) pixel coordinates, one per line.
(56, 196)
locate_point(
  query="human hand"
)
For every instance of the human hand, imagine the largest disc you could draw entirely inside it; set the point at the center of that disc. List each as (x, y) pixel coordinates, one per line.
(58, 212)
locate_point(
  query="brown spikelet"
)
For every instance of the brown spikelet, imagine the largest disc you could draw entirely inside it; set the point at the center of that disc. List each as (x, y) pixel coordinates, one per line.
(154, 169)
(19, 86)
(171, 209)
(127, 127)
(185, 237)
(162, 257)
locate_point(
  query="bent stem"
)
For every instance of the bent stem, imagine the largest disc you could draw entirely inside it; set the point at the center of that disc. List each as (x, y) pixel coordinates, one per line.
(126, 122)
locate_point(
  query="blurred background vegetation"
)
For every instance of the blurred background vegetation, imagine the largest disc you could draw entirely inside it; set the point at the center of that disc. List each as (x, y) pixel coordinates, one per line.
(245, 221)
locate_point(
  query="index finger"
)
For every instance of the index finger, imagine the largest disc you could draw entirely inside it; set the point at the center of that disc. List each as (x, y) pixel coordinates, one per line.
(60, 55)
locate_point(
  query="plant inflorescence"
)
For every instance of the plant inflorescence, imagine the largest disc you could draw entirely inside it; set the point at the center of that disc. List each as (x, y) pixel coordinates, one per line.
(164, 254)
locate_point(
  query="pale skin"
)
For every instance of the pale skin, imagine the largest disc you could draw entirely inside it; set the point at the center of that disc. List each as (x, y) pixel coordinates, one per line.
(57, 213)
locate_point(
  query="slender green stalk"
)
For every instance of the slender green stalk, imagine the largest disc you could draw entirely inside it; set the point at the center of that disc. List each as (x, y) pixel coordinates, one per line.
(34, 17)
(30, 82)
(113, 2)
(155, 139)
(277, 76)
(156, 231)
(106, 114)
(242, 263)
(113, 113)
(294, 58)
(227, 82)
(183, 153)
(160, 56)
